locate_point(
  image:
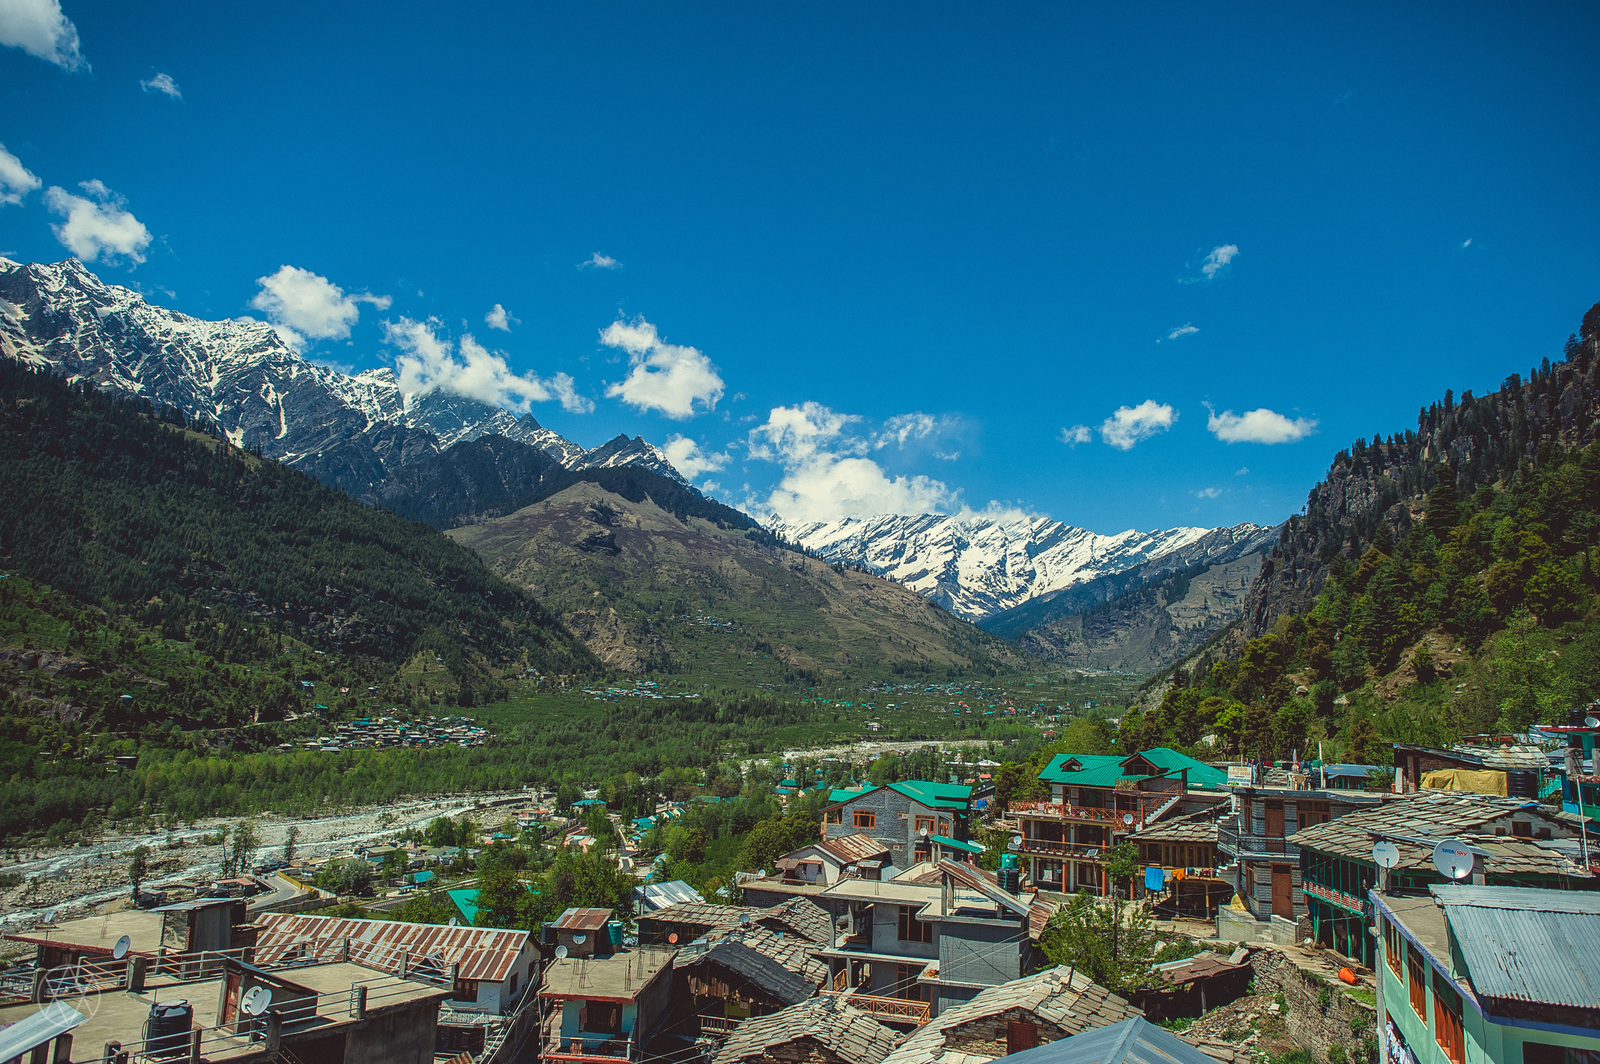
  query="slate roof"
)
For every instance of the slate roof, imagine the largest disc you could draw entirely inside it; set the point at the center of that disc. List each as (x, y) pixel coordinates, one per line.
(754, 967)
(1527, 945)
(1436, 816)
(1131, 1041)
(802, 916)
(849, 1033)
(1195, 827)
(1507, 756)
(1062, 996)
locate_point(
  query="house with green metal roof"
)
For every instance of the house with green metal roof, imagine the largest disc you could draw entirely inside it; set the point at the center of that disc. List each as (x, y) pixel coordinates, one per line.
(1096, 801)
(905, 817)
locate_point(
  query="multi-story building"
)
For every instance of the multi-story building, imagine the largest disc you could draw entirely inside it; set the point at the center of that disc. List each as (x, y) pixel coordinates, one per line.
(1261, 862)
(604, 1001)
(1514, 843)
(926, 944)
(1097, 801)
(1179, 858)
(1490, 975)
(1523, 767)
(905, 818)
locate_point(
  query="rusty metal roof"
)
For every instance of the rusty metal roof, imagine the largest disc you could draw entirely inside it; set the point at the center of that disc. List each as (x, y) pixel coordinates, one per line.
(582, 919)
(483, 953)
(852, 848)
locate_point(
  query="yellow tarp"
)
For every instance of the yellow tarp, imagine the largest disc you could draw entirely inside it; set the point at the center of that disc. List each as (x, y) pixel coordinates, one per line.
(1475, 781)
(1237, 904)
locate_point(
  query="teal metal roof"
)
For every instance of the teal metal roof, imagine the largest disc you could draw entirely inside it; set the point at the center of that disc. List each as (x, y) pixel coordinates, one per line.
(1083, 770)
(935, 795)
(466, 903)
(1201, 775)
(844, 794)
(952, 844)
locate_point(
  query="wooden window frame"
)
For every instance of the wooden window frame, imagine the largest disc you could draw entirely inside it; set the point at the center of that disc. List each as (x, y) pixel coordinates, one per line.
(833, 816)
(921, 823)
(1448, 1032)
(906, 986)
(865, 819)
(909, 929)
(1394, 946)
(1417, 982)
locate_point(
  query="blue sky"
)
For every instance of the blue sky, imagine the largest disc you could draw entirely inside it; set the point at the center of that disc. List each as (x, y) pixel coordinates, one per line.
(865, 257)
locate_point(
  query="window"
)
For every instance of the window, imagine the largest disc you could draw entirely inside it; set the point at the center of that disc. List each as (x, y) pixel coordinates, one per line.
(601, 1017)
(911, 929)
(1521, 829)
(1416, 981)
(833, 816)
(1447, 1020)
(1394, 946)
(864, 818)
(511, 986)
(906, 985)
(923, 823)
(1313, 813)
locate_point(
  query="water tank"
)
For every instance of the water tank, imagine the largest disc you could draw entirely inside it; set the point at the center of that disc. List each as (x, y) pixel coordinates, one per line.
(614, 932)
(1008, 860)
(167, 1030)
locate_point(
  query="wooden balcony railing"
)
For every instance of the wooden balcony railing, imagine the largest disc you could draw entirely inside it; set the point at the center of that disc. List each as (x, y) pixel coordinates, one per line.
(899, 1010)
(1064, 811)
(1093, 851)
(1239, 843)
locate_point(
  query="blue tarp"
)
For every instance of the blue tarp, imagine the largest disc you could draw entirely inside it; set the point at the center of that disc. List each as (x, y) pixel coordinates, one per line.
(1153, 879)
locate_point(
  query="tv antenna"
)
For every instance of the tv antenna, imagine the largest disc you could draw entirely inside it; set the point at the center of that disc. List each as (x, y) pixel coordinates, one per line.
(1453, 859)
(256, 1001)
(120, 950)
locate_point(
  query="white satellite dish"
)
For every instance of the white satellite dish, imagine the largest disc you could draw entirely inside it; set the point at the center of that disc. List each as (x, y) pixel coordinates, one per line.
(256, 1001)
(1127, 818)
(1015, 843)
(453, 921)
(561, 953)
(1385, 854)
(1452, 859)
(924, 832)
(120, 950)
(580, 939)
(1591, 722)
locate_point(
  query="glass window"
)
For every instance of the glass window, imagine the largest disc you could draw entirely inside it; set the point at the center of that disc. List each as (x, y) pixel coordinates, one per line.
(911, 929)
(864, 818)
(1394, 946)
(923, 823)
(1447, 1020)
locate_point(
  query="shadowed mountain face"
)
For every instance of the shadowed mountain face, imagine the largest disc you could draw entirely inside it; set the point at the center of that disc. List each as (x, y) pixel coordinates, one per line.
(645, 587)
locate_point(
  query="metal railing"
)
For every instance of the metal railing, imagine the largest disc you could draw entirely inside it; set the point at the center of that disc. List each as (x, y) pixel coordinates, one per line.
(1231, 839)
(1091, 851)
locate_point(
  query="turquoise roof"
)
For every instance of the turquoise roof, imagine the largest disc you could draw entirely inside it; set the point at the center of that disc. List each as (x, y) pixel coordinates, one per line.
(936, 795)
(1104, 770)
(466, 904)
(952, 844)
(844, 794)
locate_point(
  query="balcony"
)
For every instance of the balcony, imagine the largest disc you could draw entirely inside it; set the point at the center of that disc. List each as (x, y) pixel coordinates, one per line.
(1085, 851)
(1063, 811)
(1231, 840)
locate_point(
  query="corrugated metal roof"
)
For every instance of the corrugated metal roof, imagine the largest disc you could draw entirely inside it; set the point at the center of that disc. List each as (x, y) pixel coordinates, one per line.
(576, 919)
(672, 892)
(1134, 1041)
(849, 849)
(55, 1019)
(484, 953)
(1527, 945)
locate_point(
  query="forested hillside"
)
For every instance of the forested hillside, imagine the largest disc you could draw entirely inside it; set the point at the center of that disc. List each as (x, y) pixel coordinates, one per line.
(126, 508)
(1442, 583)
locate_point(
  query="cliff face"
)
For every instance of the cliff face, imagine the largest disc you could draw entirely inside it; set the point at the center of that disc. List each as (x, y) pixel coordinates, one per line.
(1482, 439)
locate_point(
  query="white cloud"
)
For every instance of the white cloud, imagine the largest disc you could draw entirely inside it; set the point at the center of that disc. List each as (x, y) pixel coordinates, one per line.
(903, 427)
(1075, 435)
(500, 318)
(16, 180)
(1467, 243)
(1258, 426)
(1182, 330)
(39, 28)
(1215, 264)
(471, 370)
(598, 261)
(162, 83)
(1209, 493)
(665, 377)
(1242, 471)
(687, 457)
(305, 306)
(1130, 424)
(97, 226)
(825, 473)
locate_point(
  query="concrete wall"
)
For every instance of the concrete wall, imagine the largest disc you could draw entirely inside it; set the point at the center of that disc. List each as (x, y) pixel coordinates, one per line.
(985, 952)
(1235, 926)
(886, 935)
(401, 1035)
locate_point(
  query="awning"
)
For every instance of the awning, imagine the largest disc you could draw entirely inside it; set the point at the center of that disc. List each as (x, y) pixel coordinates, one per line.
(952, 844)
(22, 1037)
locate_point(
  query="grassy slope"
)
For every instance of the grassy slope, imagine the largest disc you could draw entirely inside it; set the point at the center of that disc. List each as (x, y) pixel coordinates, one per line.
(647, 590)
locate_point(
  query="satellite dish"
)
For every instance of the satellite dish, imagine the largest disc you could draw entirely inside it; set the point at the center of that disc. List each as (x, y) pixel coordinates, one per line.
(1385, 854)
(453, 922)
(1127, 818)
(672, 939)
(1015, 843)
(256, 1001)
(924, 832)
(1591, 722)
(580, 939)
(120, 950)
(1452, 859)
(561, 953)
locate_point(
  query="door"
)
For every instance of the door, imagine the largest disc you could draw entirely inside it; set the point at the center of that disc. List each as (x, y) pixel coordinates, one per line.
(230, 999)
(1282, 891)
(1275, 819)
(1020, 1035)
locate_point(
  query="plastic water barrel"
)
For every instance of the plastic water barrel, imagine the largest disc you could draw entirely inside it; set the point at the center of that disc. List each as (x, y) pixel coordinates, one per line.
(167, 1032)
(1008, 860)
(614, 932)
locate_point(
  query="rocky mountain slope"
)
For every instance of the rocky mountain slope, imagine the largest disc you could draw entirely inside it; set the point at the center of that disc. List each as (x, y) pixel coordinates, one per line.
(1476, 440)
(354, 431)
(978, 566)
(1151, 627)
(649, 588)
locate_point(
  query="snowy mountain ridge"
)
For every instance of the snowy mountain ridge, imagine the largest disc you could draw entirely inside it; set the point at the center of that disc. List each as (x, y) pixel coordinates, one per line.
(977, 565)
(242, 377)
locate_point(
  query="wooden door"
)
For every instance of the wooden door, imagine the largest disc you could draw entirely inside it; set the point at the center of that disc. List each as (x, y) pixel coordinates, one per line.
(1275, 819)
(230, 999)
(1282, 891)
(1020, 1035)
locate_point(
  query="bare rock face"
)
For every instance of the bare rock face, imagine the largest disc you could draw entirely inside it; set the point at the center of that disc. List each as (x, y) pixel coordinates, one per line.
(1382, 483)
